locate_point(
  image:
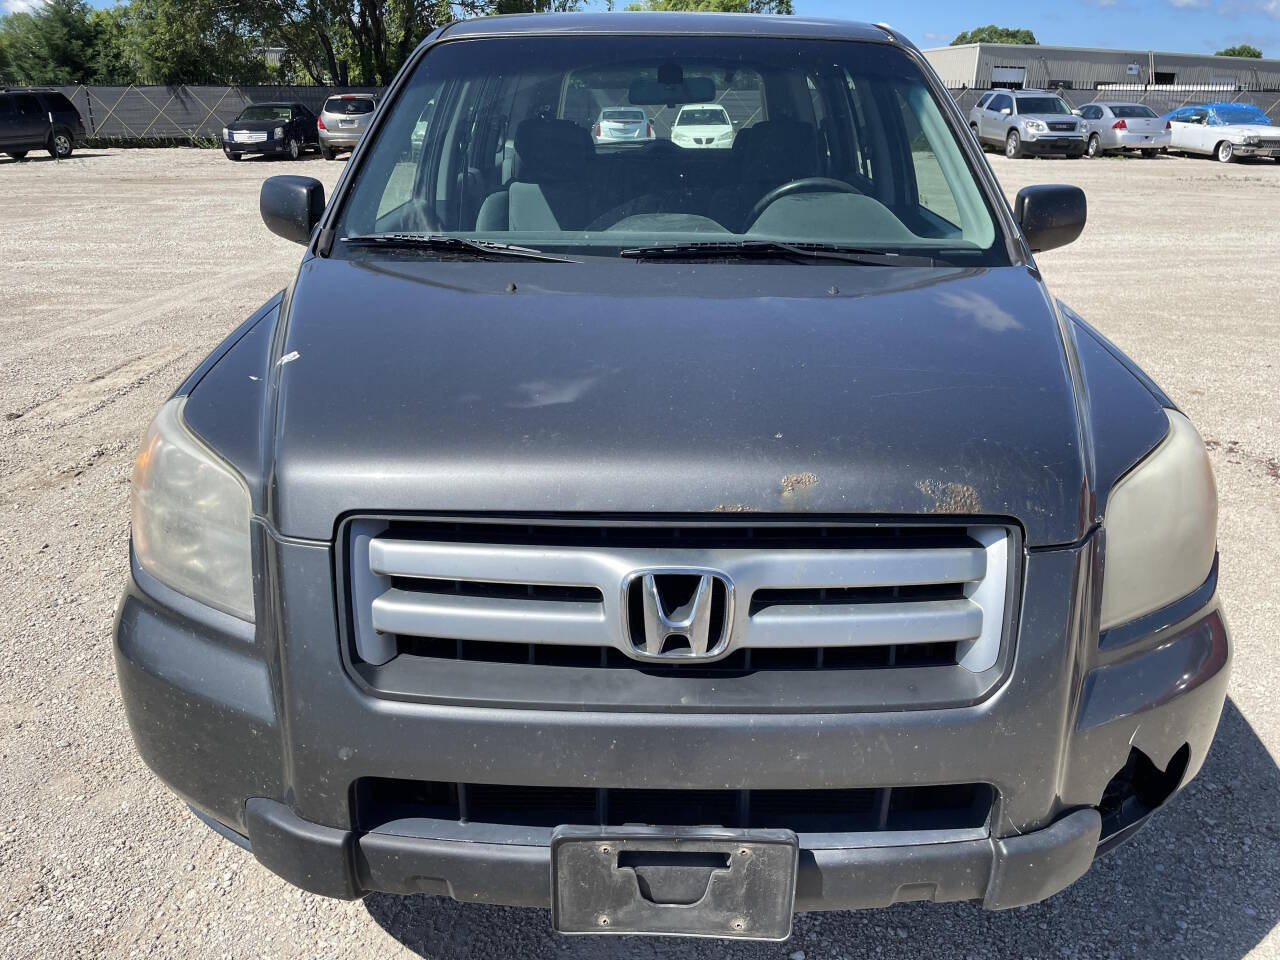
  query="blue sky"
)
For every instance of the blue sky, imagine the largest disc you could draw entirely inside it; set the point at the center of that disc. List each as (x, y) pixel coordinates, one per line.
(1193, 26)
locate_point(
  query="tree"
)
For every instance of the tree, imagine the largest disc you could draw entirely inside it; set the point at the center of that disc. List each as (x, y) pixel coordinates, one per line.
(718, 6)
(993, 34)
(194, 41)
(1241, 50)
(52, 44)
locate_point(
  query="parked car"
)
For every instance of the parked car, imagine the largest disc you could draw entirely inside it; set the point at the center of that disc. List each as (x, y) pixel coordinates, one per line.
(823, 560)
(1028, 123)
(703, 126)
(1124, 126)
(622, 125)
(343, 120)
(274, 129)
(1227, 131)
(37, 119)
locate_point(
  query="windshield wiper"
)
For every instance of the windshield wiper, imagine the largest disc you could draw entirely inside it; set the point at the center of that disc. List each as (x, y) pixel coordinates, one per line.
(446, 244)
(754, 249)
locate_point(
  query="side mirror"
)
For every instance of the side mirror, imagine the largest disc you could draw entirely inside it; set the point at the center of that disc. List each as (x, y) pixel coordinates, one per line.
(1051, 215)
(1005, 111)
(292, 206)
(1078, 113)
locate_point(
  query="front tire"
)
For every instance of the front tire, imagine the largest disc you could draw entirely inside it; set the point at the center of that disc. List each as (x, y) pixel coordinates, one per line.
(1013, 145)
(60, 144)
(1094, 146)
(1225, 152)
(233, 157)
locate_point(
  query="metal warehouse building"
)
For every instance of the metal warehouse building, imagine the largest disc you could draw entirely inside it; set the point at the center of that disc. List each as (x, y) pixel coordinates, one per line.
(985, 65)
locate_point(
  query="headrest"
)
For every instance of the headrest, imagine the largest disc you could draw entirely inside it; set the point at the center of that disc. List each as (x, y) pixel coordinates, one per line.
(550, 150)
(780, 150)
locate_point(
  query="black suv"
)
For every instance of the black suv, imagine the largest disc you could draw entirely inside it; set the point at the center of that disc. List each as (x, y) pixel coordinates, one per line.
(38, 120)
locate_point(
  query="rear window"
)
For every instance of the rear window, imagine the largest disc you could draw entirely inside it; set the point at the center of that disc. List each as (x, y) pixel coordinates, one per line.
(624, 116)
(703, 118)
(59, 103)
(352, 106)
(1133, 111)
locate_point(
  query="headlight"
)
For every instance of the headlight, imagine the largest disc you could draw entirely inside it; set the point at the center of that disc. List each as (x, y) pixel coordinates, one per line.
(1251, 141)
(1036, 126)
(1162, 527)
(226, 134)
(278, 133)
(726, 136)
(191, 517)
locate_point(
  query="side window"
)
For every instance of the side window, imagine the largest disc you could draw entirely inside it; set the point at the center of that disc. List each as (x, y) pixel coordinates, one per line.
(931, 184)
(7, 110)
(985, 99)
(1001, 102)
(28, 105)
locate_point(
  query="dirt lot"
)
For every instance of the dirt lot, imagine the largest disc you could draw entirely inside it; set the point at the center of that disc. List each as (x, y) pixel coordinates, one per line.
(123, 268)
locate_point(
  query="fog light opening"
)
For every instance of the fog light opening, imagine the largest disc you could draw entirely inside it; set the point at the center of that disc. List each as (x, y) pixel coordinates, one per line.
(1138, 789)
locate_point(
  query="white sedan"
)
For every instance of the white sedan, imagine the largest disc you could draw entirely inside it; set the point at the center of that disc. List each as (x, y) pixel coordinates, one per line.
(1228, 131)
(703, 126)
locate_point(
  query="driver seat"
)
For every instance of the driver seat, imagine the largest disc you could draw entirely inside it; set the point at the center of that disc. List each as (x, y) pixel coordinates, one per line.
(546, 191)
(778, 152)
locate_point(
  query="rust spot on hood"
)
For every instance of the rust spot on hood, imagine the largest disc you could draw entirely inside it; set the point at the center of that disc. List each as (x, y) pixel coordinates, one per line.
(951, 497)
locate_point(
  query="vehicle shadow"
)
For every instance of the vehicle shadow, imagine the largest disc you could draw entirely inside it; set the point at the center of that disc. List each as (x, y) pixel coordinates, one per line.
(1202, 881)
(43, 157)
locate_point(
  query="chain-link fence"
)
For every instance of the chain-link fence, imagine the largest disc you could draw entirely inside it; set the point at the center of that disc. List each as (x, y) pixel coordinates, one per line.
(190, 113)
(182, 113)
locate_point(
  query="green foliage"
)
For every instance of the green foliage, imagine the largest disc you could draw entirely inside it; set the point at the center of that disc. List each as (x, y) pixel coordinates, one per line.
(53, 44)
(718, 6)
(1241, 50)
(993, 34)
(535, 6)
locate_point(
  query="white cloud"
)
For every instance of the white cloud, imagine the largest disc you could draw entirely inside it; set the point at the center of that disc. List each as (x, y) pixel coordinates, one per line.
(18, 6)
(1189, 4)
(1272, 8)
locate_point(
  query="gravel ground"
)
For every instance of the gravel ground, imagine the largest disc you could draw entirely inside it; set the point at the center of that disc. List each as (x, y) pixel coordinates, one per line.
(124, 268)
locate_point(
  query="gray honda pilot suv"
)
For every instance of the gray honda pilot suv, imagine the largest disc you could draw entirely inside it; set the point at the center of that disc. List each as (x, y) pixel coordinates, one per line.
(674, 538)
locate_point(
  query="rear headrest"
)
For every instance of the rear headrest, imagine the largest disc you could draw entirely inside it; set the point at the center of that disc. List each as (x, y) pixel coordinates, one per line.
(550, 150)
(780, 150)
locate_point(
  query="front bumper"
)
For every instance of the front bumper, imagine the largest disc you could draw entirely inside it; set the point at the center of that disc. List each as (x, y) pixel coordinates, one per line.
(265, 147)
(1246, 150)
(1047, 143)
(261, 729)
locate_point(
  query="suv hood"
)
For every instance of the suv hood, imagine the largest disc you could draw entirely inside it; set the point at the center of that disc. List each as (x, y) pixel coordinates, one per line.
(618, 387)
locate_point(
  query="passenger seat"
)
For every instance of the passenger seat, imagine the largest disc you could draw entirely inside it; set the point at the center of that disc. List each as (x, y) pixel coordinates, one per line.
(547, 189)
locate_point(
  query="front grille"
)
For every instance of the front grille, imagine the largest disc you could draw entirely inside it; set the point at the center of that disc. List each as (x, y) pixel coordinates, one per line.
(380, 801)
(1269, 143)
(435, 604)
(1062, 127)
(251, 136)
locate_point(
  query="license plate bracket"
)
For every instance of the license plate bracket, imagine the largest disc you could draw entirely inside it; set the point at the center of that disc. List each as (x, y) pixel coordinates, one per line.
(674, 881)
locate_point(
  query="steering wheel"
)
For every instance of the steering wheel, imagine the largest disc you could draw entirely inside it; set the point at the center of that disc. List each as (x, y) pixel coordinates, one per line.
(807, 185)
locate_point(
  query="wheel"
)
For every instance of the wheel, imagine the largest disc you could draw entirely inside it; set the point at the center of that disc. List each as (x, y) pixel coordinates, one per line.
(1225, 152)
(235, 157)
(1013, 145)
(294, 148)
(1094, 146)
(327, 153)
(974, 127)
(18, 154)
(60, 144)
(1151, 154)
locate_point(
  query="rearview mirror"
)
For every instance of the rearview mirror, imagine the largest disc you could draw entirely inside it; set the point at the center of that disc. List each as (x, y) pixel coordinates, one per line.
(292, 206)
(653, 93)
(1051, 215)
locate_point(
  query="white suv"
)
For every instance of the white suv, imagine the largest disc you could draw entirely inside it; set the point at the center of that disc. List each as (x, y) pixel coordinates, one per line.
(1028, 123)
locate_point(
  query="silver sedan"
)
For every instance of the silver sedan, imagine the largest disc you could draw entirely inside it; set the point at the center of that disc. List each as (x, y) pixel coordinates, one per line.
(1124, 126)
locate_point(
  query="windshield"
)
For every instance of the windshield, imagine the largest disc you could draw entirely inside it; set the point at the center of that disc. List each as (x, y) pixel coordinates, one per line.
(702, 118)
(1240, 114)
(828, 142)
(1050, 105)
(1132, 111)
(348, 105)
(265, 111)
